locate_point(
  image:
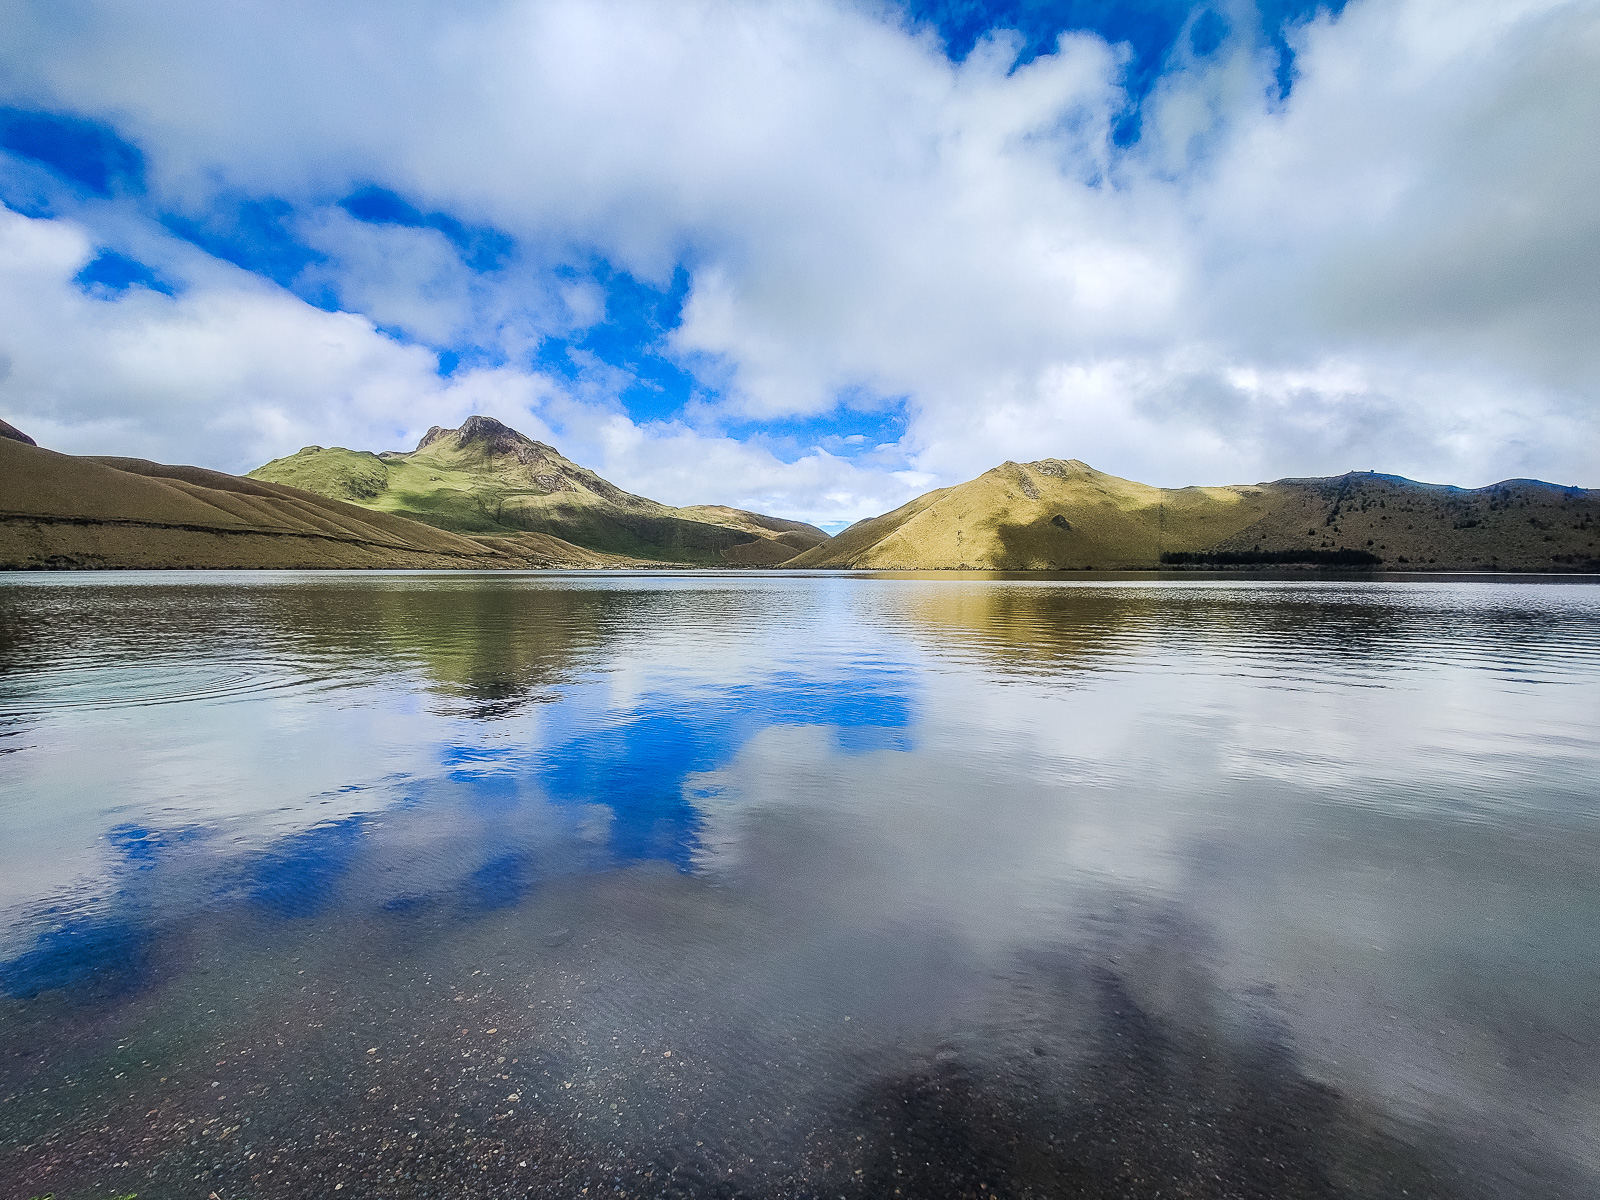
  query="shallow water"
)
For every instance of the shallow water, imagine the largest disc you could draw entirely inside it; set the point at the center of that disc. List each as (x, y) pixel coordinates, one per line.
(753, 884)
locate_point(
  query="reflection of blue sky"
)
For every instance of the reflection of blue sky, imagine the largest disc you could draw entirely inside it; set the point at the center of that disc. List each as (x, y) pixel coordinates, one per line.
(105, 954)
(1368, 811)
(637, 765)
(298, 876)
(476, 832)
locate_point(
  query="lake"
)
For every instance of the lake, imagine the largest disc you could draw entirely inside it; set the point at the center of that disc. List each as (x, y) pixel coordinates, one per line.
(755, 884)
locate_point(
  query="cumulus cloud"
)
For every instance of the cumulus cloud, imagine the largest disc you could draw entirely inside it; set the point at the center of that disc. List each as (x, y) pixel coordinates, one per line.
(678, 465)
(236, 371)
(1429, 188)
(1392, 267)
(225, 372)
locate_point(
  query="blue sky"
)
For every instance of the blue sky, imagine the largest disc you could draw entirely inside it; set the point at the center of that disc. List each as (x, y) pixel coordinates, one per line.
(813, 257)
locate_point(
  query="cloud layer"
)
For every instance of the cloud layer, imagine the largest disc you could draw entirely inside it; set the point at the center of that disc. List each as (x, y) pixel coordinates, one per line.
(1391, 267)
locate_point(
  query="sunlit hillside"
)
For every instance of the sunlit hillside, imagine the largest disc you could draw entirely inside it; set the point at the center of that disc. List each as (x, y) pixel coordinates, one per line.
(1055, 515)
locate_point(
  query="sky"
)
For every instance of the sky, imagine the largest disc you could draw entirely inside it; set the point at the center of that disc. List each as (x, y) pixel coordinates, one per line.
(811, 257)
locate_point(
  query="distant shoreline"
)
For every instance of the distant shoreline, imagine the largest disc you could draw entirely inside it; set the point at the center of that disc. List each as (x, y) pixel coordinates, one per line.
(1286, 571)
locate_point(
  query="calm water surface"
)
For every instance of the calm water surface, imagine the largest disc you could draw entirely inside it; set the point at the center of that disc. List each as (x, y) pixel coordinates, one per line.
(448, 885)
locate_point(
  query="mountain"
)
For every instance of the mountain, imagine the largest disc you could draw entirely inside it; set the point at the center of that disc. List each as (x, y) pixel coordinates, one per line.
(485, 496)
(1055, 515)
(487, 479)
(57, 510)
(8, 430)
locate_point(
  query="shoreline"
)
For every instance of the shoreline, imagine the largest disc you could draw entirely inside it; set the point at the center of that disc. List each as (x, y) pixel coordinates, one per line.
(1254, 569)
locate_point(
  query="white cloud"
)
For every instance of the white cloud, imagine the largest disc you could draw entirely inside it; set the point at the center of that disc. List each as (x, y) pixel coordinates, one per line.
(225, 372)
(235, 371)
(1394, 268)
(403, 278)
(679, 465)
(1430, 188)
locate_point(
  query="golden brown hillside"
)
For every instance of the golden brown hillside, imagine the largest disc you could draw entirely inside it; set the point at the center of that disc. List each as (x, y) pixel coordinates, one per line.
(1055, 515)
(57, 510)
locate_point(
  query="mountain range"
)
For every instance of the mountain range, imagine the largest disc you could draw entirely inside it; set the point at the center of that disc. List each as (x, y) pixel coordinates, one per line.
(485, 496)
(1065, 515)
(62, 511)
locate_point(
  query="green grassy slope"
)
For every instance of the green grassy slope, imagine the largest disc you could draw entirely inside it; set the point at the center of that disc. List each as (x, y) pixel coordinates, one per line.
(1064, 515)
(57, 510)
(487, 479)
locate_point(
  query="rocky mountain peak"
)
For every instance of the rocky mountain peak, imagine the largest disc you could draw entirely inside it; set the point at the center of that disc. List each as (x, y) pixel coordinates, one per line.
(434, 434)
(496, 436)
(486, 429)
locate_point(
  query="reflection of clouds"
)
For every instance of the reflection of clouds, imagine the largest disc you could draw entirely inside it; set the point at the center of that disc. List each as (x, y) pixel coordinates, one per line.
(248, 772)
(636, 761)
(984, 846)
(1351, 681)
(381, 681)
(1357, 859)
(274, 804)
(1363, 816)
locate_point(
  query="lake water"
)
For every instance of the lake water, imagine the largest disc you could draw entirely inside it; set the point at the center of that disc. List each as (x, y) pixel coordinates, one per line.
(718, 884)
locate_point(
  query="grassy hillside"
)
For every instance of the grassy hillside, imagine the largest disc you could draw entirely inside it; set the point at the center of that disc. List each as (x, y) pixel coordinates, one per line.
(61, 511)
(1516, 525)
(487, 479)
(1055, 515)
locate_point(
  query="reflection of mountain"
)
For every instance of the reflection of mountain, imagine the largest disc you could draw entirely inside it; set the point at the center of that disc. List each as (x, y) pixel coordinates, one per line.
(1175, 917)
(1060, 515)
(414, 809)
(1298, 628)
(1029, 627)
(486, 478)
(489, 643)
